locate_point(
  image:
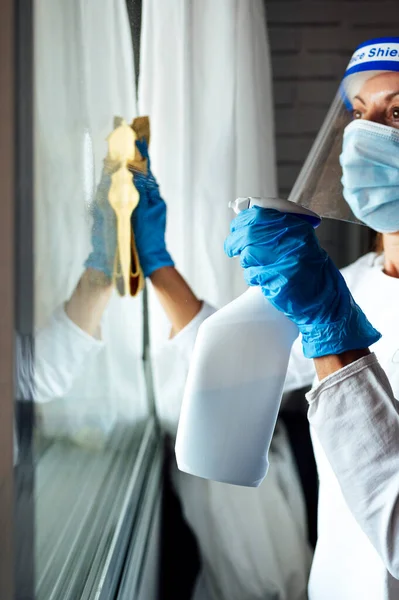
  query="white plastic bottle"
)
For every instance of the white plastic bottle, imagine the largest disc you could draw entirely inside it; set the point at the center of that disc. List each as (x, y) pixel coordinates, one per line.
(235, 382)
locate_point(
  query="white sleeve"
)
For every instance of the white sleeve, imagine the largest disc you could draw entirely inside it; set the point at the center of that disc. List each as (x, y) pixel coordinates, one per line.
(61, 348)
(171, 362)
(355, 418)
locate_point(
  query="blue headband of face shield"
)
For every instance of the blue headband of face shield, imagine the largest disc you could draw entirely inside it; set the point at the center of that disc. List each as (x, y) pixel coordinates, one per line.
(369, 59)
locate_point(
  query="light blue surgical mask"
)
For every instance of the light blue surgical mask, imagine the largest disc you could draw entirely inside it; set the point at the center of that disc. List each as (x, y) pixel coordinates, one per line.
(370, 166)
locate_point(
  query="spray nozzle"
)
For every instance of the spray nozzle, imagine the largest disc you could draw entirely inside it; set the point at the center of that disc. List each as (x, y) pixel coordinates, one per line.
(286, 206)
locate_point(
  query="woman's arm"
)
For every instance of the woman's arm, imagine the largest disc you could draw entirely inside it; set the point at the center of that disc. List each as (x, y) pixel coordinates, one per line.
(355, 417)
(327, 365)
(176, 297)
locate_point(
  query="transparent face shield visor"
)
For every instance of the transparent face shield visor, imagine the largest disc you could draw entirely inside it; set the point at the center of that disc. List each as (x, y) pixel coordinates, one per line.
(319, 185)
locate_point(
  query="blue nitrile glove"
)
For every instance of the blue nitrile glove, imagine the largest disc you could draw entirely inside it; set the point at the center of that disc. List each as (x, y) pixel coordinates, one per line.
(103, 232)
(149, 221)
(281, 253)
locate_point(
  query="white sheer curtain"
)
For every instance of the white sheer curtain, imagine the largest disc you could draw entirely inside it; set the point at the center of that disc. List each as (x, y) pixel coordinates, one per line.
(84, 76)
(205, 81)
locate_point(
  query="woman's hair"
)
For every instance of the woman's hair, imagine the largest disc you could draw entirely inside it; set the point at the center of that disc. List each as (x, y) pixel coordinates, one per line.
(378, 245)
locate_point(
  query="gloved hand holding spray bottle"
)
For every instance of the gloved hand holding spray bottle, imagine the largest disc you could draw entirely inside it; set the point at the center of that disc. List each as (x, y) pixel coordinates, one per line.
(240, 359)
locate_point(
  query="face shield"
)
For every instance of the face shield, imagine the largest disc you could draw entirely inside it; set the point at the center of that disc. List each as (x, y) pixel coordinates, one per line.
(352, 170)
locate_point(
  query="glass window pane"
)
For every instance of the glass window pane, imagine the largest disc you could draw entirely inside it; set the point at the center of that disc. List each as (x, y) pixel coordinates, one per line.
(94, 422)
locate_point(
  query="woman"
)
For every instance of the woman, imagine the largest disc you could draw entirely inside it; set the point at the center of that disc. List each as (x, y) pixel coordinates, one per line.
(352, 411)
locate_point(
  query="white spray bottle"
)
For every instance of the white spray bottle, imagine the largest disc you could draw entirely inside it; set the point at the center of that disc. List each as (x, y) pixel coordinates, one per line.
(235, 382)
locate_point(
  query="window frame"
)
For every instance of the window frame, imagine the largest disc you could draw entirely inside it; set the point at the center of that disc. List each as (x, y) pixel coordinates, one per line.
(7, 183)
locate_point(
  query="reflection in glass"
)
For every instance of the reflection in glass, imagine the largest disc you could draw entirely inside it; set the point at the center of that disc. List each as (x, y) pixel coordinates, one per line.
(90, 391)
